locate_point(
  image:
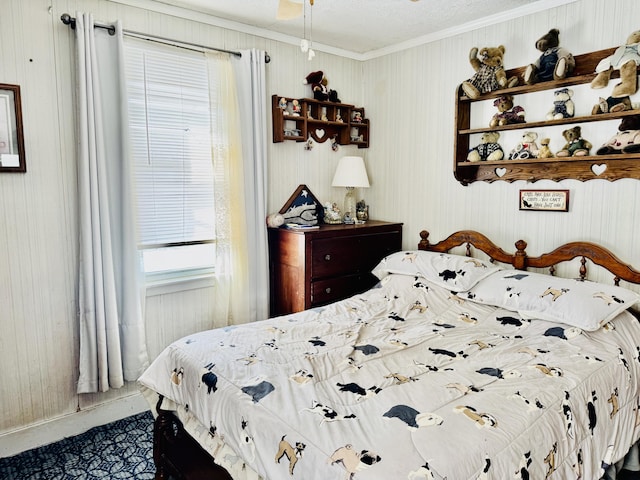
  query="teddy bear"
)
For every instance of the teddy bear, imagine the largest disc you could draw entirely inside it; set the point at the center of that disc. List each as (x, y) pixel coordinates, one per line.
(507, 112)
(563, 106)
(555, 63)
(627, 140)
(527, 148)
(625, 59)
(488, 148)
(319, 87)
(490, 74)
(576, 146)
(545, 151)
(612, 105)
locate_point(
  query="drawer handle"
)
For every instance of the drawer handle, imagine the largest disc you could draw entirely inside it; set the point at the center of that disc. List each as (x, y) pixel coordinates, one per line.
(327, 290)
(327, 257)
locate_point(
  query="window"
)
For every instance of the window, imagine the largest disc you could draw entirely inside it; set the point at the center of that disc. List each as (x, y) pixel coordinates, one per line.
(170, 135)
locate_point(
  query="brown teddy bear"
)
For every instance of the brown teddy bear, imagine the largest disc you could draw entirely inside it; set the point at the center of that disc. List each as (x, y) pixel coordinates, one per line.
(319, 83)
(612, 105)
(627, 140)
(490, 74)
(626, 59)
(576, 146)
(507, 112)
(488, 149)
(555, 63)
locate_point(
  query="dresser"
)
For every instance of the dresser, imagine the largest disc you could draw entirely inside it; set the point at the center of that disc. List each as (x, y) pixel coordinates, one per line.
(310, 268)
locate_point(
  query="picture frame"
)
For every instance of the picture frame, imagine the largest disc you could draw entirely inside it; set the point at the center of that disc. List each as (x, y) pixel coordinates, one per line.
(302, 208)
(544, 200)
(12, 155)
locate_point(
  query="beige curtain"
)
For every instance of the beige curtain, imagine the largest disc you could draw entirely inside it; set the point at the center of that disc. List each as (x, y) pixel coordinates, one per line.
(231, 266)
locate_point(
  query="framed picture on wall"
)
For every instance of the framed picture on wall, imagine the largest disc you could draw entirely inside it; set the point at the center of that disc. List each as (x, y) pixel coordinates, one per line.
(11, 137)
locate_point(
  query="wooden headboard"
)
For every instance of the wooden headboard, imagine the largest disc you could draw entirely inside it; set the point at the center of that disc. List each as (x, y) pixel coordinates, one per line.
(586, 251)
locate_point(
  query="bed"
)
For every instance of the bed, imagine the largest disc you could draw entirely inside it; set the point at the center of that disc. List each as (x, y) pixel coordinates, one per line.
(476, 364)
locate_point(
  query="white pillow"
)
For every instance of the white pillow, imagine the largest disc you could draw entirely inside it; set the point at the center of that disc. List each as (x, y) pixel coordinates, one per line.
(583, 304)
(454, 272)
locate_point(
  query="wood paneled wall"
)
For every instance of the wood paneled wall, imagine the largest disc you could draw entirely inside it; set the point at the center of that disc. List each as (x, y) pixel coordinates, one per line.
(409, 98)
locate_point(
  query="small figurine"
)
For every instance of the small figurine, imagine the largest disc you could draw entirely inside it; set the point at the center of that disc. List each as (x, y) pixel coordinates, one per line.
(324, 114)
(357, 117)
(362, 211)
(296, 108)
(545, 151)
(282, 104)
(338, 116)
(332, 213)
(334, 143)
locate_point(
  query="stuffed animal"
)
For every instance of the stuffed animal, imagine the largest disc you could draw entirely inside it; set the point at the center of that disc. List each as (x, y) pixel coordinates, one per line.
(545, 151)
(612, 105)
(627, 140)
(527, 148)
(507, 112)
(563, 106)
(488, 149)
(576, 146)
(555, 63)
(490, 74)
(626, 59)
(319, 87)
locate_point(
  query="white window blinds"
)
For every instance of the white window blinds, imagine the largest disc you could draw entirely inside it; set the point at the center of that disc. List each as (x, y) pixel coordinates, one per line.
(170, 132)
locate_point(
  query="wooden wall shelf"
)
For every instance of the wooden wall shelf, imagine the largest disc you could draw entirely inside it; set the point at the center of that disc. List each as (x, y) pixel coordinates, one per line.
(608, 167)
(319, 120)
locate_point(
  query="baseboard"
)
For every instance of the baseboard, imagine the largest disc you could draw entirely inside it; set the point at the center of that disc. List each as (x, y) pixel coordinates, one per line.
(44, 433)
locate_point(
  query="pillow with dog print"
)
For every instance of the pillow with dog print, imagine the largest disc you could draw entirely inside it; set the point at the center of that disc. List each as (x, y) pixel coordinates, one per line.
(456, 273)
(583, 304)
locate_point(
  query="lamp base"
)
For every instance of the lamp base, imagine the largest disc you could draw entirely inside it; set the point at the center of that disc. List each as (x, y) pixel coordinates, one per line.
(349, 209)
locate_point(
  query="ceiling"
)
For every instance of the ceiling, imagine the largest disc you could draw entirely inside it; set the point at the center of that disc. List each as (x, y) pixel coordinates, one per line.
(357, 28)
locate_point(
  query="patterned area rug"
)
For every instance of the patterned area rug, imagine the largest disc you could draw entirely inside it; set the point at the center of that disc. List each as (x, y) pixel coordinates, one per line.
(119, 450)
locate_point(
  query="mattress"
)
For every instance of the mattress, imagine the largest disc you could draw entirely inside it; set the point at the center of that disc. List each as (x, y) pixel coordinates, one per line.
(407, 380)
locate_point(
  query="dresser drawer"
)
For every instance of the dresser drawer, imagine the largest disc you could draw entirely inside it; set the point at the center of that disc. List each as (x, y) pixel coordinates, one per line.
(360, 253)
(333, 289)
(314, 267)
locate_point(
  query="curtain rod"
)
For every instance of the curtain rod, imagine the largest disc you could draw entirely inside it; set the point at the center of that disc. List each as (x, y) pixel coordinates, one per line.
(71, 21)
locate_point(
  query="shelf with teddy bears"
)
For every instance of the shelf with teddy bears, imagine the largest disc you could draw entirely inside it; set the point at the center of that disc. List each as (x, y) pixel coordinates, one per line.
(553, 120)
(321, 118)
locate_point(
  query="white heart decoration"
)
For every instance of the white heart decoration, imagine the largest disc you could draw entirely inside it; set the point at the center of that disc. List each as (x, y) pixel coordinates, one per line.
(319, 132)
(501, 172)
(598, 169)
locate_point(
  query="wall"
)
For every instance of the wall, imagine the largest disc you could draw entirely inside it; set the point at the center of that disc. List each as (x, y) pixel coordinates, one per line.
(38, 235)
(409, 97)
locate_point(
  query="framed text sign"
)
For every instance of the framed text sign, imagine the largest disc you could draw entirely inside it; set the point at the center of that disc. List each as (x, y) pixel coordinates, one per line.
(11, 137)
(545, 200)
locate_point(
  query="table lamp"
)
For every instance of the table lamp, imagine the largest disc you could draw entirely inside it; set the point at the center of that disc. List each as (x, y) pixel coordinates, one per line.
(351, 174)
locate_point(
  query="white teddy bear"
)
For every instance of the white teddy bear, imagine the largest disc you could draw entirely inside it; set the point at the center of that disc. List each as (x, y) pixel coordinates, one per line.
(563, 106)
(527, 148)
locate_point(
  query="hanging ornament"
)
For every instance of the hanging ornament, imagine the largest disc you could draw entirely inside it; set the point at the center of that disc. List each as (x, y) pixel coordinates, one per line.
(305, 45)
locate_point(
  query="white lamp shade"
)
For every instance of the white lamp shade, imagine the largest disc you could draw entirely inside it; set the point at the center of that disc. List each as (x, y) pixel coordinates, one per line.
(350, 173)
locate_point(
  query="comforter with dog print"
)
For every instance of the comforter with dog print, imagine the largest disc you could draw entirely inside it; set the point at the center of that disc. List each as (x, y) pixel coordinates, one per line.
(407, 381)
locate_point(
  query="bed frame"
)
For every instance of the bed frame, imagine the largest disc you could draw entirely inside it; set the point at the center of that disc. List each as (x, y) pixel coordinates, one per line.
(178, 456)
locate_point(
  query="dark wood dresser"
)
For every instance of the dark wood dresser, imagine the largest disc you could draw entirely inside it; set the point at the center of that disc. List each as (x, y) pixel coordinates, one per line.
(310, 268)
